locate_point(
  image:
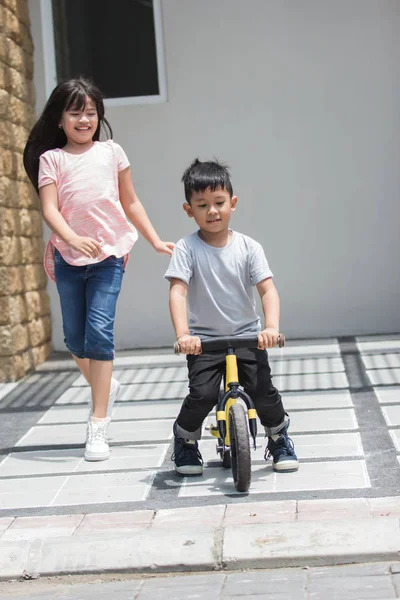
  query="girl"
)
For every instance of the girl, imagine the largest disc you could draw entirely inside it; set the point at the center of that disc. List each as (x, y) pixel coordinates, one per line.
(86, 193)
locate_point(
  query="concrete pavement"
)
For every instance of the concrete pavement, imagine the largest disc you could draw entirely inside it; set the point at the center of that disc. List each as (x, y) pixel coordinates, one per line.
(133, 514)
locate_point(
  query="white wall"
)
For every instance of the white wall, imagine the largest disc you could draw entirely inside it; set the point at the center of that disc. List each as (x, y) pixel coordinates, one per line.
(301, 99)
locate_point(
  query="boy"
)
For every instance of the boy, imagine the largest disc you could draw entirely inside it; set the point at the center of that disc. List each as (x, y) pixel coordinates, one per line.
(212, 275)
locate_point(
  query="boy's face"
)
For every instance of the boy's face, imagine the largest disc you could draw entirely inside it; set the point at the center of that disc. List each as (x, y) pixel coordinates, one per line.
(211, 209)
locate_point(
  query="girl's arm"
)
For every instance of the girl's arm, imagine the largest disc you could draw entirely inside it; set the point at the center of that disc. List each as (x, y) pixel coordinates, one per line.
(188, 344)
(268, 337)
(136, 213)
(54, 219)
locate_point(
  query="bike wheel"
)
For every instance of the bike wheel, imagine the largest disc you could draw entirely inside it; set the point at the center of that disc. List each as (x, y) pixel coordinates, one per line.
(240, 448)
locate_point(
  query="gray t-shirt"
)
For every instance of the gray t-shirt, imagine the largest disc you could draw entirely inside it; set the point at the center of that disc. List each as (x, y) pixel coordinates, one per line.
(221, 284)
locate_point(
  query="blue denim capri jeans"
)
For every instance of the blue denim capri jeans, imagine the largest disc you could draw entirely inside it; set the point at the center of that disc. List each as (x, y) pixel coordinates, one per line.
(88, 298)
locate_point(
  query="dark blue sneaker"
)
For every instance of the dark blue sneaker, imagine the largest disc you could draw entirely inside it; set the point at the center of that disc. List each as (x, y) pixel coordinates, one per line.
(281, 448)
(187, 457)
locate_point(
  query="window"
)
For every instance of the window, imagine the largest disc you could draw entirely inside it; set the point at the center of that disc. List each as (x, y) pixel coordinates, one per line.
(118, 44)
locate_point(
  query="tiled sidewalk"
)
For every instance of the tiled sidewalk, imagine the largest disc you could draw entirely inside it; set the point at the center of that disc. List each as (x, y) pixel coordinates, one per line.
(329, 388)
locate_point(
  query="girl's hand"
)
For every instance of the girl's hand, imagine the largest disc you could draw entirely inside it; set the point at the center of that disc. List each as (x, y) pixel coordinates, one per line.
(189, 344)
(268, 338)
(164, 247)
(86, 245)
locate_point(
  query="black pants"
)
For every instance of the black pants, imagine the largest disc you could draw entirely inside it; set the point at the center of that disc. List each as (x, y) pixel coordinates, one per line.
(205, 374)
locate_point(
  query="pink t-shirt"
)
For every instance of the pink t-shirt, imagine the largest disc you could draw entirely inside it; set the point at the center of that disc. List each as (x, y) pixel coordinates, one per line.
(88, 199)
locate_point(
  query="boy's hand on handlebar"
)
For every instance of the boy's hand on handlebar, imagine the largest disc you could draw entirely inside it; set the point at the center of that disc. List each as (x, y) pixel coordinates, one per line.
(268, 338)
(189, 344)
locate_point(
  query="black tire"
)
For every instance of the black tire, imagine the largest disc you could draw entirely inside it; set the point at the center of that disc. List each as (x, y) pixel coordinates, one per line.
(240, 448)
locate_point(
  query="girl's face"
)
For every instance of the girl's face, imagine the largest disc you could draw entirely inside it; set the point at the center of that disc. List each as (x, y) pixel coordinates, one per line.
(80, 125)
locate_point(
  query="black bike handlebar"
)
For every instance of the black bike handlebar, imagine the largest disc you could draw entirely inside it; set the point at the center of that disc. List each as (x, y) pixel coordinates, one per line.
(223, 343)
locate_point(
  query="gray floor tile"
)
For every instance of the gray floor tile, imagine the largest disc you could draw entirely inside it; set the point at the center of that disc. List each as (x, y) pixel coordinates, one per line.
(33, 492)
(391, 414)
(123, 411)
(310, 381)
(384, 376)
(128, 458)
(122, 431)
(375, 344)
(332, 445)
(388, 395)
(322, 364)
(333, 475)
(320, 399)
(153, 391)
(75, 395)
(41, 462)
(381, 361)
(104, 488)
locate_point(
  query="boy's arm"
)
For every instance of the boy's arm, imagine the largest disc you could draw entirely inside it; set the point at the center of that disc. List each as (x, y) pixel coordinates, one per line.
(268, 337)
(136, 213)
(188, 344)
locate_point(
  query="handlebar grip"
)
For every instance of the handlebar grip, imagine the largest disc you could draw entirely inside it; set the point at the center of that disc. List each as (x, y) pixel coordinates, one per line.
(281, 343)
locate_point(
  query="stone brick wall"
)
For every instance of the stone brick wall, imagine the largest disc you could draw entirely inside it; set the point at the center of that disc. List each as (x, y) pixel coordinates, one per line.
(25, 324)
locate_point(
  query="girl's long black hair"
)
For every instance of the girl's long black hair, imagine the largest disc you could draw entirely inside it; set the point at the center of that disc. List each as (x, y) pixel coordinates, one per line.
(46, 133)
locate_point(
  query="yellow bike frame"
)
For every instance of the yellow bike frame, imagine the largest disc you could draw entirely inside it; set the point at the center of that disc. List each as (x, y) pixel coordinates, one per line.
(231, 394)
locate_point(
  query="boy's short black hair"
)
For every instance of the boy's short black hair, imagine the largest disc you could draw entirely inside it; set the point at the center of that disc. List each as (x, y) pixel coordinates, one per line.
(201, 176)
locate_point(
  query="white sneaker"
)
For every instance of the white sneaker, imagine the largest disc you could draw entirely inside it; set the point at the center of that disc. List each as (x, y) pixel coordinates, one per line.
(114, 391)
(97, 447)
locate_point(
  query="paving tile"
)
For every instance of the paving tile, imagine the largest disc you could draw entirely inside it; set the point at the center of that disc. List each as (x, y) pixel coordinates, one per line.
(192, 517)
(345, 588)
(385, 507)
(322, 445)
(124, 411)
(145, 375)
(6, 388)
(305, 348)
(395, 435)
(116, 522)
(63, 414)
(32, 492)
(390, 395)
(295, 366)
(122, 431)
(320, 399)
(310, 381)
(384, 376)
(333, 475)
(164, 409)
(28, 528)
(148, 360)
(103, 488)
(128, 458)
(299, 544)
(260, 512)
(391, 414)
(375, 344)
(75, 395)
(5, 523)
(41, 462)
(333, 509)
(153, 391)
(328, 445)
(284, 584)
(381, 361)
(13, 558)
